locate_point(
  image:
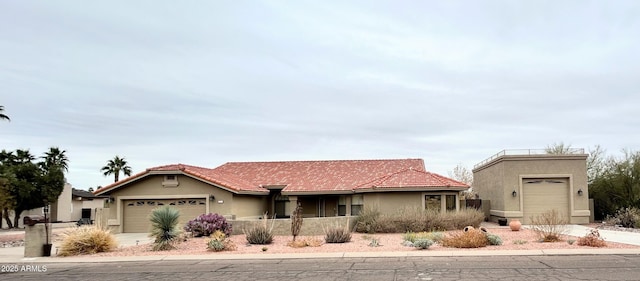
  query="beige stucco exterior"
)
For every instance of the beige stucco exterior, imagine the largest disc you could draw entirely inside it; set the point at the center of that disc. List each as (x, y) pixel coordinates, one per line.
(218, 200)
(496, 180)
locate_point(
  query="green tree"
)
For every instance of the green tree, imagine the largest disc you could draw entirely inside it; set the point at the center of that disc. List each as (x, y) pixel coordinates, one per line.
(3, 116)
(55, 157)
(617, 186)
(115, 166)
(29, 184)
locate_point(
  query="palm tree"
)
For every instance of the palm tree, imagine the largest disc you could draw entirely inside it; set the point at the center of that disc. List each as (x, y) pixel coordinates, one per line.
(2, 116)
(115, 166)
(55, 157)
(24, 156)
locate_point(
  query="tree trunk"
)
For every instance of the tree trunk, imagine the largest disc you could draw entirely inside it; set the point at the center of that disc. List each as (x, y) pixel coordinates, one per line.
(5, 214)
(16, 218)
(1, 213)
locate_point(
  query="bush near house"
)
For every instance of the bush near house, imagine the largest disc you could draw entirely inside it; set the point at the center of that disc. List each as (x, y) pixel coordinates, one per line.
(207, 224)
(550, 226)
(592, 239)
(625, 217)
(371, 220)
(86, 240)
(260, 233)
(220, 242)
(337, 234)
(473, 238)
(164, 227)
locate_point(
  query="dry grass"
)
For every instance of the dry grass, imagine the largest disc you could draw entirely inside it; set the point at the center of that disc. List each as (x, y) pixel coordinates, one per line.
(87, 240)
(550, 226)
(592, 239)
(415, 220)
(261, 233)
(306, 242)
(473, 238)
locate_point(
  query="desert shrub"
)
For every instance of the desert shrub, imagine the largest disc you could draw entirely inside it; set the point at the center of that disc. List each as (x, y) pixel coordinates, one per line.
(626, 217)
(374, 242)
(423, 243)
(307, 242)
(415, 220)
(549, 226)
(473, 238)
(337, 234)
(366, 221)
(296, 221)
(164, 227)
(413, 236)
(220, 242)
(205, 224)
(592, 239)
(493, 239)
(519, 242)
(571, 241)
(260, 233)
(86, 240)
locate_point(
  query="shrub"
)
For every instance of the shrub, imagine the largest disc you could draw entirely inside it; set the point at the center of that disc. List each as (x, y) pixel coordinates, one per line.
(205, 224)
(337, 234)
(374, 242)
(549, 226)
(519, 242)
(494, 239)
(626, 217)
(164, 227)
(296, 221)
(261, 233)
(307, 242)
(86, 240)
(371, 220)
(413, 236)
(366, 222)
(571, 241)
(592, 239)
(471, 239)
(423, 243)
(220, 242)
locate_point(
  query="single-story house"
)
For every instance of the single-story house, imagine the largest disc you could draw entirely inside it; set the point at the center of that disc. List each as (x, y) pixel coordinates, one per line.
(247, 190)
(522, 184)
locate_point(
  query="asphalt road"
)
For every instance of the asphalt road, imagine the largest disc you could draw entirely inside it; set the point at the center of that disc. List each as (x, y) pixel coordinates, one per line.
(590, 267)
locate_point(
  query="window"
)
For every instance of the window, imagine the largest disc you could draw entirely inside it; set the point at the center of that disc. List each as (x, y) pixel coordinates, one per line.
(151, 203)
(451, 202)
(357, 201)
(342, 206)
(433, 202)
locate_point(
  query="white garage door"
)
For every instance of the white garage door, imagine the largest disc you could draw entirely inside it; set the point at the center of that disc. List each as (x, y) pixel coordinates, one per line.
(136, 212)
(542, 195)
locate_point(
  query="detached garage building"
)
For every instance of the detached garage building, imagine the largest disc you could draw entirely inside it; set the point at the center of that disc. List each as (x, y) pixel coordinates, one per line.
(522, 184)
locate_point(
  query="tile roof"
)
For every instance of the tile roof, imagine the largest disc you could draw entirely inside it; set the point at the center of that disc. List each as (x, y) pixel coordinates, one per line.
(309, 177)
(414, 178)
(317, 176)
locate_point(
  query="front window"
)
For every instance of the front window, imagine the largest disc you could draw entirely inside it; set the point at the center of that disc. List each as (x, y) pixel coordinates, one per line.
(433, 203)
(356, 204)
(342, 206)
(451, 202)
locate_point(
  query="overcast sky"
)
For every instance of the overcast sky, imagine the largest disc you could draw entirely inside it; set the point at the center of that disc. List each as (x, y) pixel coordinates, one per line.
(209, 82)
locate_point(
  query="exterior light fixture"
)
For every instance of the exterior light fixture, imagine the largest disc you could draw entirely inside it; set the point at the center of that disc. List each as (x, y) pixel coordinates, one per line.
(212, 198)
(580, 192)
(514, 193)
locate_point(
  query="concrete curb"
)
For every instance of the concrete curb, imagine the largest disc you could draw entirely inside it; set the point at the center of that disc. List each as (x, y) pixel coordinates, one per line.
(425, 253)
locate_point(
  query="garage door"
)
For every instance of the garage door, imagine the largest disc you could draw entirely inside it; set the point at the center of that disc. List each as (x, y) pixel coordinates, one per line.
(136, 212)
(542, 195)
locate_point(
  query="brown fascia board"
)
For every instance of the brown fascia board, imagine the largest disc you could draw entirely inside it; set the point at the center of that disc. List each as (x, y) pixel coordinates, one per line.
(532, 157)
(410, 189)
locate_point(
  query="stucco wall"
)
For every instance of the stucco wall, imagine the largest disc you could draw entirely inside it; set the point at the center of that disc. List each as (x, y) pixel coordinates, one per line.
(151, 188)
(390, 202)
(310, 226)
(497, 179)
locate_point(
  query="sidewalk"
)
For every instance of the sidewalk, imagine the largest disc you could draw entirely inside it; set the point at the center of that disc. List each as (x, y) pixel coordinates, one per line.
(16, 254)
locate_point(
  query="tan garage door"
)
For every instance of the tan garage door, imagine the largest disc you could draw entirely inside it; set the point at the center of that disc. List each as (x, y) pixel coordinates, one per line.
(136, 212)
(542, 195)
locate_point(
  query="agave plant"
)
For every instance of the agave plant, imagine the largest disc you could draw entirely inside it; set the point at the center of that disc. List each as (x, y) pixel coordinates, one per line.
(164, 223)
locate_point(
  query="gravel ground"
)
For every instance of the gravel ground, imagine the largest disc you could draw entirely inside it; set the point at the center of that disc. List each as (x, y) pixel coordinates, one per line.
(359, 243)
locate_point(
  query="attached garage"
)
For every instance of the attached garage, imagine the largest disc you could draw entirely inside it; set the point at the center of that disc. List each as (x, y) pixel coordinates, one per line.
(136, 212)
(543, 195)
